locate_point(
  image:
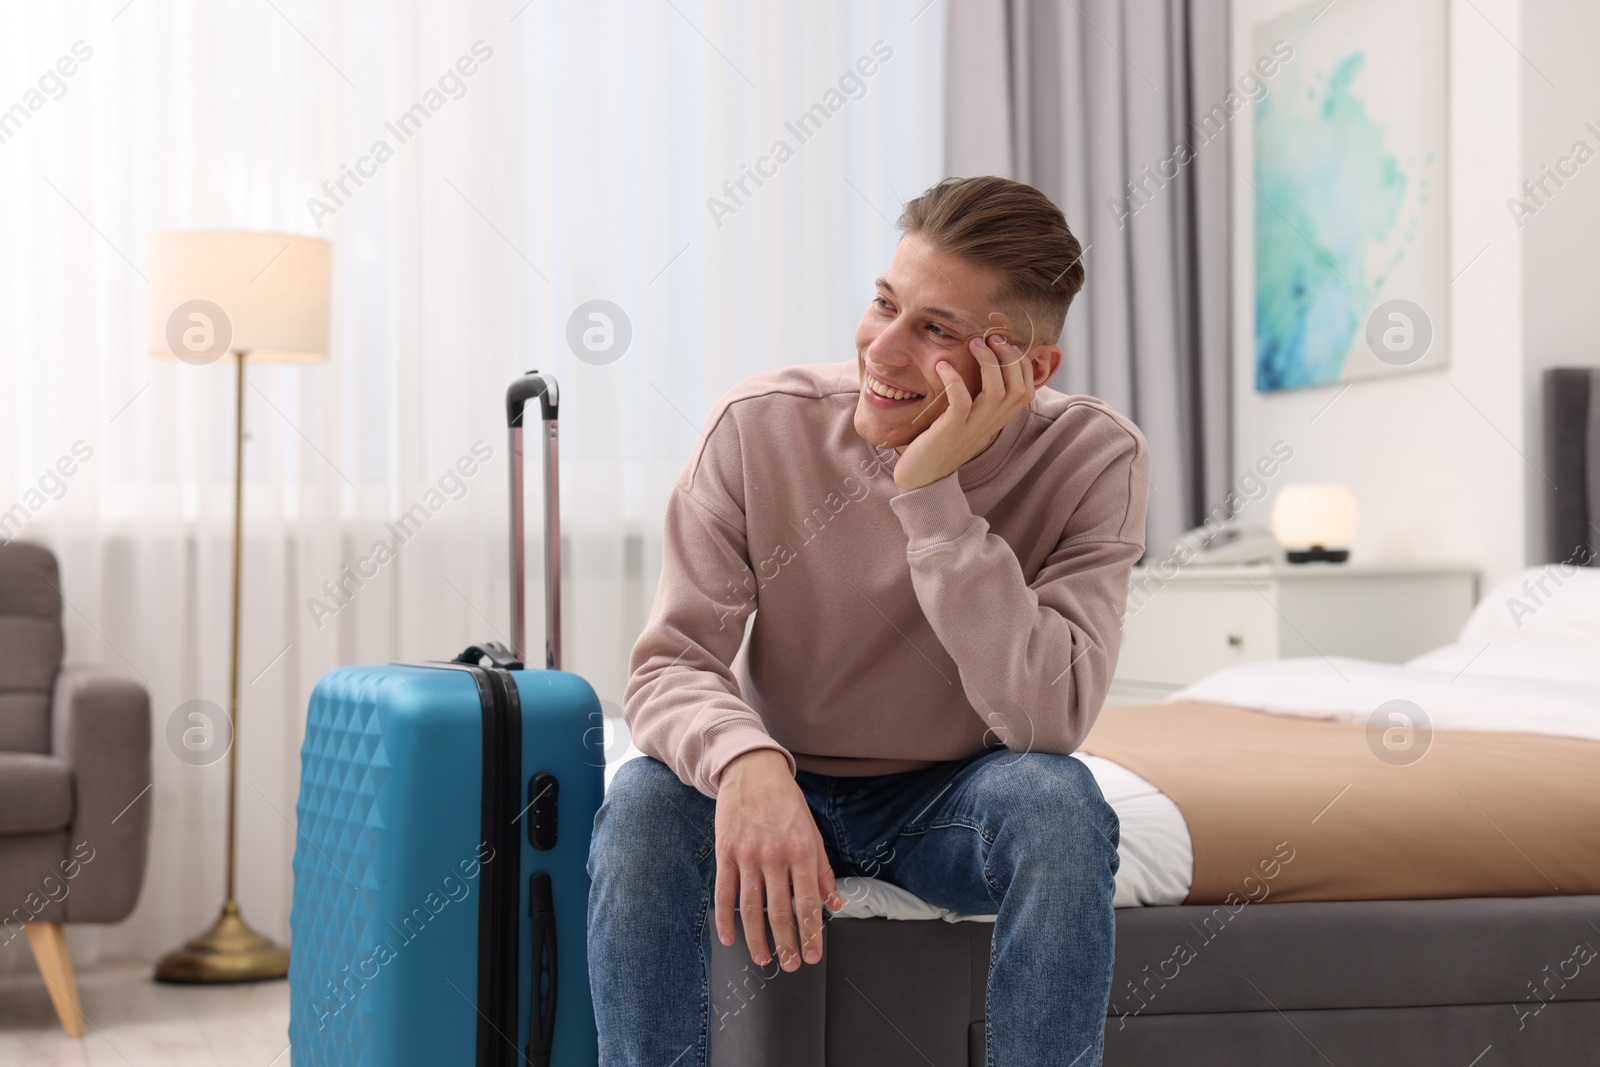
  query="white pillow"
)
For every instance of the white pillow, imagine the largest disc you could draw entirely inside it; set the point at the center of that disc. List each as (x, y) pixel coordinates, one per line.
(1528, 655)
(1558, 600)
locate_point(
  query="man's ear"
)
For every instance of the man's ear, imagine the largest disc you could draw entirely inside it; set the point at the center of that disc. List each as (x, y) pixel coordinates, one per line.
(1044, 361)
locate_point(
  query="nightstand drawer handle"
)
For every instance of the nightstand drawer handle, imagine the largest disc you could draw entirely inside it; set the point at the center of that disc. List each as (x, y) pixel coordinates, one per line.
(1234, 640)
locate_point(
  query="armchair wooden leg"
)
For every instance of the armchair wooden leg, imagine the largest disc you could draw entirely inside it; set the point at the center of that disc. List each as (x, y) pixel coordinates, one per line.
(49, 944)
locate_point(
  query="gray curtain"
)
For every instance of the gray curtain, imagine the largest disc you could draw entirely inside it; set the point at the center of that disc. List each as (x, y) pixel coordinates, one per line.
(1078, 98)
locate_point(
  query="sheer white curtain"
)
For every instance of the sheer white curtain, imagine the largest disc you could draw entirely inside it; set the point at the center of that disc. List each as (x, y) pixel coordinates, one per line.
(575, 162)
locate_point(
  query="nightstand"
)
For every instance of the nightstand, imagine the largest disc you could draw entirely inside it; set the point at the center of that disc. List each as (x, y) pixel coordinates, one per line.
(1203, 617)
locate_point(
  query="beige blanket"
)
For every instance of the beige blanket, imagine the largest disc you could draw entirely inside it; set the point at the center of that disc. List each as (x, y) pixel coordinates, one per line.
(1284, 809)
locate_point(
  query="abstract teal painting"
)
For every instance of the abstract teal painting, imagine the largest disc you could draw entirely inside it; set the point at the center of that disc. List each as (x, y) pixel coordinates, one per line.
(1346, 178)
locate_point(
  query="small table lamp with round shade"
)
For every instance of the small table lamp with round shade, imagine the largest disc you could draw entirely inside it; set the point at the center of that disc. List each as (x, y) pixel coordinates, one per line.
(261, 297)
(1315, 521)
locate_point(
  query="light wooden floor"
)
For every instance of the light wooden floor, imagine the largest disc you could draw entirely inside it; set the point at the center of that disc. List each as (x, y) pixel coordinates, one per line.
(135, 1021)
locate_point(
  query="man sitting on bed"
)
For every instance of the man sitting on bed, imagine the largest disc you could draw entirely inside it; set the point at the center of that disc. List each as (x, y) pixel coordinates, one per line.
(935, 548)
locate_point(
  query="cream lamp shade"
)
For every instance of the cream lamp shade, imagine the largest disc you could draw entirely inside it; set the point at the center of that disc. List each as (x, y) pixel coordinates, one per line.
(215, 292)
(1315, 520)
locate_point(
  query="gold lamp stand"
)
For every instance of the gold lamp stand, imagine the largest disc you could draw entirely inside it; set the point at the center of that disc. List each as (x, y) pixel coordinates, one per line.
(230, 951)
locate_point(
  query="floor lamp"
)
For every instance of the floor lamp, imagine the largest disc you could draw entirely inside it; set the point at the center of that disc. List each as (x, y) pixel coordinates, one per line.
(247, 297)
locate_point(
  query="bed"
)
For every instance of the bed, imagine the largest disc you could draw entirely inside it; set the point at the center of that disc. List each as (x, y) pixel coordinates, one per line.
(1436, 908)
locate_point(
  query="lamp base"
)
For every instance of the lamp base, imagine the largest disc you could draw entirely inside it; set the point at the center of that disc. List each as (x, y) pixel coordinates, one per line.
(228, 952)
(1317, 554)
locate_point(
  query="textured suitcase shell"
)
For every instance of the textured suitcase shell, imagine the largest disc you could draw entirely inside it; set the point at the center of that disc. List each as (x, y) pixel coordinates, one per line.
(388, 865)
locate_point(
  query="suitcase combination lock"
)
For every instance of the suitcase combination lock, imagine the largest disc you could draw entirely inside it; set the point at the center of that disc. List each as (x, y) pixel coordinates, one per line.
(543, 791)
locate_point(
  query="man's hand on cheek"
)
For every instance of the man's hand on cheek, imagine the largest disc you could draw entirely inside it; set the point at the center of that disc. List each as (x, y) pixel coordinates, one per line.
(968, 424)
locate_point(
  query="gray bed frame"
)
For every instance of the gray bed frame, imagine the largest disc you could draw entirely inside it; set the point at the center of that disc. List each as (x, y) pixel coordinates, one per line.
(1465, 983)
(1357, 984)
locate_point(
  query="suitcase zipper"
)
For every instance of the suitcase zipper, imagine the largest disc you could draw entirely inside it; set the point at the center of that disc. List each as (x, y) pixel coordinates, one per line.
(499, 918)
(500, 828)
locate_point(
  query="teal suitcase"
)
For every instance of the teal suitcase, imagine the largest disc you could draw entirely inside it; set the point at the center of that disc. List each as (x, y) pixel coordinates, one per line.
(444, 818)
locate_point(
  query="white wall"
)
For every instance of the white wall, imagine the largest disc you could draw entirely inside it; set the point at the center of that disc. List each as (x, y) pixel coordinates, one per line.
(1434, 457)
(1561, 241)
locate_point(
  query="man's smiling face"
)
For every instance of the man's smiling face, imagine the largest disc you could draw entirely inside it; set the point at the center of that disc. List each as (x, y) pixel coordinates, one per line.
(928, 305)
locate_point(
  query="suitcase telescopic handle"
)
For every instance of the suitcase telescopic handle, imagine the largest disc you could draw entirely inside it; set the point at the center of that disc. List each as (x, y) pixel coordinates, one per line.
(542, 387)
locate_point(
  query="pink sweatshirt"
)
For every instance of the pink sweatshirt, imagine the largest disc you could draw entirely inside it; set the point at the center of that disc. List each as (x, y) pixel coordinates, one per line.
(892, 630)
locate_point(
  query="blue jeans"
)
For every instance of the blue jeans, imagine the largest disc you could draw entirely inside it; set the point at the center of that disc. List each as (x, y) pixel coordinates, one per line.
(1027, 838)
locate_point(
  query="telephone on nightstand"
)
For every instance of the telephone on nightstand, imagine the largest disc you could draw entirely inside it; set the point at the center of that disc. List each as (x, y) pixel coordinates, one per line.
(1230, 543)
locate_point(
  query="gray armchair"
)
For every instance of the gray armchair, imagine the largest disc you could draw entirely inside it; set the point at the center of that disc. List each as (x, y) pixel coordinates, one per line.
(74, 758)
